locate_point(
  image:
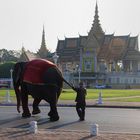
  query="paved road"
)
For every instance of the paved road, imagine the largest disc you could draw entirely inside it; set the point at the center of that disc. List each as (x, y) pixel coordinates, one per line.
(109, 119)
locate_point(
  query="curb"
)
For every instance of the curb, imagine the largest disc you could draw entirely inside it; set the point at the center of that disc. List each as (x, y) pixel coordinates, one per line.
(89, 106)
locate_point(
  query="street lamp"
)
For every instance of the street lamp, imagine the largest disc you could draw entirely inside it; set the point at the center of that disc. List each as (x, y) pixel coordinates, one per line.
(11, 72)
(79, 72)
(55, 58)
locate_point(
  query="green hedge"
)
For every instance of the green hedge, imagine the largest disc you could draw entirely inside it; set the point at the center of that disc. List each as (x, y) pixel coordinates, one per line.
(5, 69)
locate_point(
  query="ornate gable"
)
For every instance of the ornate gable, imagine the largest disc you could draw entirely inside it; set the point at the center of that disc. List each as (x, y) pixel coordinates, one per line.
(27, 55)
(92, 42)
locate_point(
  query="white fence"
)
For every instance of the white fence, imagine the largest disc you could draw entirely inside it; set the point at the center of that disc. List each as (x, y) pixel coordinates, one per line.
(6, 82)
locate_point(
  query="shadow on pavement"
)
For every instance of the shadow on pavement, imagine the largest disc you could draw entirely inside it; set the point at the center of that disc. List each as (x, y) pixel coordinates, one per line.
(86, 138)
(5, 121)
(62, 125)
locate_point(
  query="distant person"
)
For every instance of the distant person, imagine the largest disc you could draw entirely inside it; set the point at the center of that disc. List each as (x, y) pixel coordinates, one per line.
(80, 100)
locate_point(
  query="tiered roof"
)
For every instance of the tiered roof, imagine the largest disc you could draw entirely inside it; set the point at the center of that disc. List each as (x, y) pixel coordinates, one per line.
(107, 46)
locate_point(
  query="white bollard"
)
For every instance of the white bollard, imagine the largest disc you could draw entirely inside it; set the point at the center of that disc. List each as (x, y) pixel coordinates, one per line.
(7, 96)
(100, 98)
(94, 129)
(33, 127)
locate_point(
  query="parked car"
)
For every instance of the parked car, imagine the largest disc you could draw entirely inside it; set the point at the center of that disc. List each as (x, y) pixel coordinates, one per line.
(103, 86)
(108, 86)
(100, 86)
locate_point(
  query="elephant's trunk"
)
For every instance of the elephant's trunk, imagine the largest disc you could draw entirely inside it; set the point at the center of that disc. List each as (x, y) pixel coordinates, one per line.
(17, 72)
(18, 92)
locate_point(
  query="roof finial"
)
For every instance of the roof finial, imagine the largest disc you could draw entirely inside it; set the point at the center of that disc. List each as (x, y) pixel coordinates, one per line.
(43, 50)
(43, 30)
(22, 49)
(97, 4)
(96, 17)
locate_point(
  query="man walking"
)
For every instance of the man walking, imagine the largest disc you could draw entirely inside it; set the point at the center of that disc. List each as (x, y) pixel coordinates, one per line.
(80, 100)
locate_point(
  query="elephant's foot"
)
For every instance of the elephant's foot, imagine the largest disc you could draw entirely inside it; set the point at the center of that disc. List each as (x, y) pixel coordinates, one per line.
(50, 114)
(26, 115)
(54, 118)
(36, 111)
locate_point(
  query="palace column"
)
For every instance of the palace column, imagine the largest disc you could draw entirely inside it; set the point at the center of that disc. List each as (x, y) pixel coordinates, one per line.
(130, 66)
(81, 58)
(95, 62)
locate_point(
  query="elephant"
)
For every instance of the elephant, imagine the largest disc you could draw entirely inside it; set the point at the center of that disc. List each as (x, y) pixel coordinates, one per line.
(42, 80)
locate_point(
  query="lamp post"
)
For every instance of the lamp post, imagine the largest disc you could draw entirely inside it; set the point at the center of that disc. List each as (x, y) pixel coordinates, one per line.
(11, 72)
(7, 96)
(79, 72)
(55, 58)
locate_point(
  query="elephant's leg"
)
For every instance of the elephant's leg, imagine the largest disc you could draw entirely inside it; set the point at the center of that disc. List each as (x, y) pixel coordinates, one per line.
(52, 99)
(50, 112)
(24, 97)
(36, 109)
(53, 106)
(53, 112)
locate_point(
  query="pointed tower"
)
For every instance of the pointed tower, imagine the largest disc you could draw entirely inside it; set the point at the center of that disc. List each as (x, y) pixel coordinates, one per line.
(43, 51)
(96, 29)
(88, 54)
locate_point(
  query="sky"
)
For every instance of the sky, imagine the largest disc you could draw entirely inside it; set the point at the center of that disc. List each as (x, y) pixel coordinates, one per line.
(21, 21)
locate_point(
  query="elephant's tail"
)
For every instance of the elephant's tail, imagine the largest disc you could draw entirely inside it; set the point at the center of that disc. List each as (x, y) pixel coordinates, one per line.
(61, 76)
(67, 83)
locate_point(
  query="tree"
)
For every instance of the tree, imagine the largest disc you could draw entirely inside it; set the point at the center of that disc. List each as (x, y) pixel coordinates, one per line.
(5, 69)
(11, 55)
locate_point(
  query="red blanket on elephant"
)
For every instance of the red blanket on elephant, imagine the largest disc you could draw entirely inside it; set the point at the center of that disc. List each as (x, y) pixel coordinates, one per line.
(35, 69)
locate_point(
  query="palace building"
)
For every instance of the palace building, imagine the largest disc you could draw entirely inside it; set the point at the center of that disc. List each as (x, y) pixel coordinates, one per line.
(100, 58)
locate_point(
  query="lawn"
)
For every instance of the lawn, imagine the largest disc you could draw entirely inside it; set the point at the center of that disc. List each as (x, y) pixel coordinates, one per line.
(136, 99)
(107, 94)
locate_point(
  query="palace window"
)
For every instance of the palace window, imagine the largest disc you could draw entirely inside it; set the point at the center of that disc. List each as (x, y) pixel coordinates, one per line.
(88, 65)
(118, 80)
(134, 81)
